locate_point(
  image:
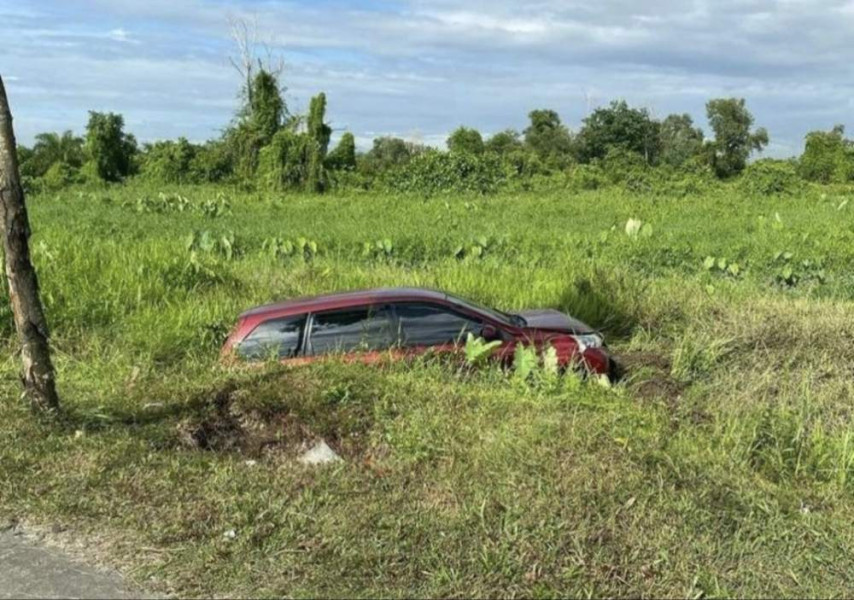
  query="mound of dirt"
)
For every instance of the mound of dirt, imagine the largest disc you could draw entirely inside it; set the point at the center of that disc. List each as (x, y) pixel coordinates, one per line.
(223, 423)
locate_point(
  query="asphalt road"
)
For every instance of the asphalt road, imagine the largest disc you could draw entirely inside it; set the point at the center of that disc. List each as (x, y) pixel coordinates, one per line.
(28, 570)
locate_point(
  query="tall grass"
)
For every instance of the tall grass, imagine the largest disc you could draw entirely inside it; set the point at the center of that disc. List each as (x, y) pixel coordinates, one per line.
(722, 465)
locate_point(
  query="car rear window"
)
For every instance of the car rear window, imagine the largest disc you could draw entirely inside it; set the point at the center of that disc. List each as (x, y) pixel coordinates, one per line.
(424, 324)
(363, 328)
(275, 338)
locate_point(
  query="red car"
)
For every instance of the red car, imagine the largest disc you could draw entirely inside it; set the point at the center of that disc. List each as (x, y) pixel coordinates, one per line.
(368, 325)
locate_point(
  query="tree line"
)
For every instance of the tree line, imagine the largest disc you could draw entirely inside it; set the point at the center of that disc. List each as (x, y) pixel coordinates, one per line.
(267, 147)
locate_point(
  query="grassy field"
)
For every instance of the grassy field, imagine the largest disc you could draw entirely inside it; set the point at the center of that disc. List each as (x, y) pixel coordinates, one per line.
(722, 465)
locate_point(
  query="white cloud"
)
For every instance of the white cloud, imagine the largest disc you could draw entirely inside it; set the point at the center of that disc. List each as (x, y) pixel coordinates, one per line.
(430, 65)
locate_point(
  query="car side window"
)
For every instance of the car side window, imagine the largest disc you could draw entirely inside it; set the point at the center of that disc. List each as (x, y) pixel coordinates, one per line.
(352, 329)
(273, 338)
(424, 324)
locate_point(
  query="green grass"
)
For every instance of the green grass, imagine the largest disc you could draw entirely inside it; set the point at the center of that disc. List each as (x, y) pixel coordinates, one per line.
(723, 465)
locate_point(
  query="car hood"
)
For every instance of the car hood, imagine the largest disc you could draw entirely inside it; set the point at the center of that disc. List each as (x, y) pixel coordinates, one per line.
(555, 321)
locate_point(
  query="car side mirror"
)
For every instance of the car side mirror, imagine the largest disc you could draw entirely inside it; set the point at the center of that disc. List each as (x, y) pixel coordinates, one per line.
(489, 333)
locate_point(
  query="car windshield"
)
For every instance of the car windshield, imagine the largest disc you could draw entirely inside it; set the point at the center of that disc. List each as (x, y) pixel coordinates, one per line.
(498, 315)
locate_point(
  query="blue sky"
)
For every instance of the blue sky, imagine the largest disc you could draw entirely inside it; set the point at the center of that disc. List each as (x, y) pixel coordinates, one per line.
(419, 68)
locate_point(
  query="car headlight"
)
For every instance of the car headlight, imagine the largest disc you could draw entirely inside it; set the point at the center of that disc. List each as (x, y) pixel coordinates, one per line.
(588, 340)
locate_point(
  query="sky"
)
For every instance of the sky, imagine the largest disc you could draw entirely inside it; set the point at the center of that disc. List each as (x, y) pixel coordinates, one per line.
(420, 68)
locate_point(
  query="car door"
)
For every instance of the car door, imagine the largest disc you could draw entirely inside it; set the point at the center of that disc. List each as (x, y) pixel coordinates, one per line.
(279, 338)
(425, 326)
(364, 333)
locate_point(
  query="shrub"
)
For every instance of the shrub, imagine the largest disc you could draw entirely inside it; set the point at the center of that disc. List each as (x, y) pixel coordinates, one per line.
(168, 161)
(60, 175)
(436, 172)
(769, 177)
(283, 164)
(828, 157)
(587, 177)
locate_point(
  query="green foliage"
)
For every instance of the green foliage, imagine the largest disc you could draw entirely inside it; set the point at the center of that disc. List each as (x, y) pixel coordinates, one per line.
(383, 248)
(343, 156)
(50, 149)
(109, 147)
(278, 248)
(464, 140)
(770, 177)
(386, 154)
(169, 162)
(164, 203)
(828, 157)
(243, 144)
(680, 140)
(549, 139)
(284, 163)
(789, 271)
(318, 133)
(60, 175)
(436, 172)
(478, 350)
(587, 177)
(628, 168)
(267, 110)
(722, 266)
(726, 448)
(619, 127)
(734, 141)
(504, 143)
(211, 162)
(206, 241)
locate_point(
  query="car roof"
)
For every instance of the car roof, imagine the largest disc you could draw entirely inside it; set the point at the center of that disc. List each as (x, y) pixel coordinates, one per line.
(345, 300)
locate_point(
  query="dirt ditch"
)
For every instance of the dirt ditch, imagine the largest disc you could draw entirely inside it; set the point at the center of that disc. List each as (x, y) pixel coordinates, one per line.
(282, 414)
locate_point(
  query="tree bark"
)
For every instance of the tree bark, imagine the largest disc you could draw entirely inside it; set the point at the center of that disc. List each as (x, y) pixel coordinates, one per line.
(30, 323)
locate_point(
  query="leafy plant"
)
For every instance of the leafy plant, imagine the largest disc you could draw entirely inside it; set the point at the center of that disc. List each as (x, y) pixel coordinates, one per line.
(722, 266)
(478, 350)
(277, 247)
(207, 241)
(383, 248)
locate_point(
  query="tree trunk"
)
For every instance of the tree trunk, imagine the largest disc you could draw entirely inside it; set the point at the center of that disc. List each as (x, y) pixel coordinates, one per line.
(38, 377)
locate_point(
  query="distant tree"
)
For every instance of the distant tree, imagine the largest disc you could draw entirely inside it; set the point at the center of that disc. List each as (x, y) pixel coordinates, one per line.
(549, 138)
(267, 108)
(283, 164)
(263, 114)
(344, 154)
(319, 133)
(680, 140)
(734, 141)
(252, 55)
(828, 157)
(52, 148)
(60, 175)
(108, 146)
(464, 140)
(212, 162)
(618, 126)
(387, 152)
(504, 142)
(168, 161)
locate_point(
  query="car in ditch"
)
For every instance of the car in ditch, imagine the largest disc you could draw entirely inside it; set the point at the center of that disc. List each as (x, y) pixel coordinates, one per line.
(375, 324)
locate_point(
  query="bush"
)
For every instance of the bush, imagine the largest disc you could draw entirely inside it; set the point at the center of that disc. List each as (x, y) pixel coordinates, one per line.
(435, 172)
(283, 164)
(169, 162)
(60, 175)
(587, 177)
(211, 163)
(770, 177)
(828, 157)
